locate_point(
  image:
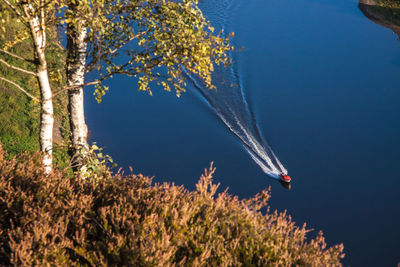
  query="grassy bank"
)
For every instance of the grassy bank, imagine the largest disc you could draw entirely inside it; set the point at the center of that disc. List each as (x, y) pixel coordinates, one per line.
(19, 121)
(19, 114)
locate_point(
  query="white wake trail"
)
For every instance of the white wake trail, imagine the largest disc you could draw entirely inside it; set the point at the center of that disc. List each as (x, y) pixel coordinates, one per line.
(230, 105)
(229, 101)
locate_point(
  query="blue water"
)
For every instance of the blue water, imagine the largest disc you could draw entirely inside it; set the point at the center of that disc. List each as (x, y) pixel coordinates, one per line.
(323, 82)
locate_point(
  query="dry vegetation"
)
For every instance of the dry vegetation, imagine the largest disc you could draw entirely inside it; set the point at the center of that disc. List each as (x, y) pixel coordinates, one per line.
(126, 221)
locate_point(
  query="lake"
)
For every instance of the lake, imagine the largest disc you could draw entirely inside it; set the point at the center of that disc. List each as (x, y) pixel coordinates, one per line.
(323, 83)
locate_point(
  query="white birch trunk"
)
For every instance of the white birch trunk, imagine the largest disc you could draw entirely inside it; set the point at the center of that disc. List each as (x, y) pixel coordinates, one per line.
(76, 61)
(46, 121)
(37, 27)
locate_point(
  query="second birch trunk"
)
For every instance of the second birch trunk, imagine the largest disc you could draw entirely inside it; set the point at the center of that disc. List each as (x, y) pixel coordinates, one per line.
(76, 61)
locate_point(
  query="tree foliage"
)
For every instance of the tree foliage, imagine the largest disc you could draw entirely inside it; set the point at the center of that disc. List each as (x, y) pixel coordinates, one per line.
(394, 4)
(153, 40)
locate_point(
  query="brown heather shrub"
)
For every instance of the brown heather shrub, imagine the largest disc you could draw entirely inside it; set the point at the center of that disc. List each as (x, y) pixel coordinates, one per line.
(125, 221)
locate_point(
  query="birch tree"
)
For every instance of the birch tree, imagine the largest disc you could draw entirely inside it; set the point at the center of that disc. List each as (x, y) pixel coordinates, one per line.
(77, 15)
(34, 16)
(156, 41)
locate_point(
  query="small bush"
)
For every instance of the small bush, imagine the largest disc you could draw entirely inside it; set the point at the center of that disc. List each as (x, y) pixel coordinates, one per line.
(126, 221)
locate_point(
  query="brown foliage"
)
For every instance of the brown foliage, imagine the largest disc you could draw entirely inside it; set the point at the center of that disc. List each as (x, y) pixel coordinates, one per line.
(127, 221)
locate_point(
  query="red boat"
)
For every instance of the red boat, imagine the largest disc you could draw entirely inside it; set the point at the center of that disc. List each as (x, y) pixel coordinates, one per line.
(284, 178)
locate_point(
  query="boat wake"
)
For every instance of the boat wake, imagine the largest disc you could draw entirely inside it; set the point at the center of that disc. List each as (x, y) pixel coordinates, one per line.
(230, 104)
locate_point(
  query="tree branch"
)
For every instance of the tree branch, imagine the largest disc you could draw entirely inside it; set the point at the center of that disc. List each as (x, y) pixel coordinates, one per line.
(76, 86)
(122, 44)
(129, 39)
(16, 56)
(20, 88)
(156, 62)
(43, 5)
(16, 68)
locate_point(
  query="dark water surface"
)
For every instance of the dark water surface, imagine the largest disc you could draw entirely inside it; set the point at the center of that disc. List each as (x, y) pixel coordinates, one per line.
(324, 84)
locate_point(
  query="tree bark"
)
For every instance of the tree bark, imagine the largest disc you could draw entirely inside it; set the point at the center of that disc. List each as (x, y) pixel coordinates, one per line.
(76, 62)
(38, 31)
(46, 120)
